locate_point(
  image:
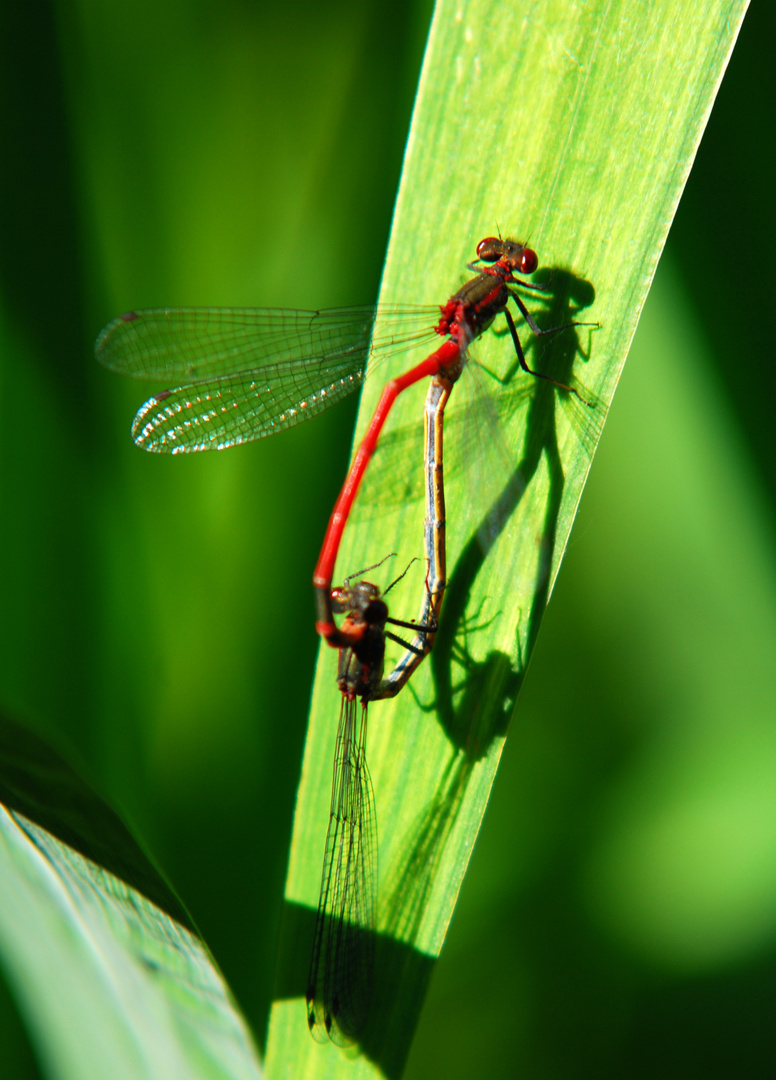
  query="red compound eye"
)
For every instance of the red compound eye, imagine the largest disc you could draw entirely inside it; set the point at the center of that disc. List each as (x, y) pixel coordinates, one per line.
(528, 261)
(490, 249)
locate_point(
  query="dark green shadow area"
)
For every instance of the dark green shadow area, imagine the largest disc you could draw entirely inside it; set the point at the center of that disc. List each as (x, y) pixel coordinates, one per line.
(597, 1015)
(403, 978)
(36, 783)
(18, 1057)
(40, 256)
(724, 234)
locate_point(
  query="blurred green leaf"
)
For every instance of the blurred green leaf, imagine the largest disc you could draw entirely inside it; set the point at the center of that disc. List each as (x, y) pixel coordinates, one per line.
(109, 972)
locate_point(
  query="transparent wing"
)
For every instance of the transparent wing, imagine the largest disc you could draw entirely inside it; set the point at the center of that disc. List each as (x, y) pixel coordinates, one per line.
(339, 984)
(188, 344)
(217, 413)
(474, 445)
(246, 373)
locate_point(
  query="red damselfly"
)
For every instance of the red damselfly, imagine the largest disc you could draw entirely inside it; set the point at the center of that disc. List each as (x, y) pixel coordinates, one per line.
(465, 316)
(250, 373)
(245, 373)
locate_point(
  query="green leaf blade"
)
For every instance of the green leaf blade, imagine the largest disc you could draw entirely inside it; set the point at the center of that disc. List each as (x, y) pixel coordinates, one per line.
(573, 128)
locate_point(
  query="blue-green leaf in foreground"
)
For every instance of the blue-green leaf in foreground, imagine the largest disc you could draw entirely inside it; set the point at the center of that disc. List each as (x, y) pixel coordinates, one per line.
(110, 975)
(570, 126)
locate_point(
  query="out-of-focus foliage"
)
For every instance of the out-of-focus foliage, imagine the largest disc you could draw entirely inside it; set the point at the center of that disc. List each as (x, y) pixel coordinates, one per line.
(108, 969)
(157, 615)
(159, 620)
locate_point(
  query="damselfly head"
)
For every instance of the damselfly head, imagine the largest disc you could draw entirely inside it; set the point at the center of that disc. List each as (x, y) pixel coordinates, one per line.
(511, 252)
(360, 602)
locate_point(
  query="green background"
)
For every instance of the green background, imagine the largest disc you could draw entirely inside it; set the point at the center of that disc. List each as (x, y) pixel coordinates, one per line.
(620, 913)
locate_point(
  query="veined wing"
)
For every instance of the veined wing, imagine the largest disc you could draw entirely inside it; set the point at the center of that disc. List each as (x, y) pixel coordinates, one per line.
(247, 373)
(473, 444)
(189, 344)
(339, 984)
(217, 413)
